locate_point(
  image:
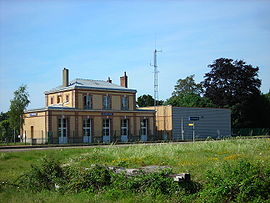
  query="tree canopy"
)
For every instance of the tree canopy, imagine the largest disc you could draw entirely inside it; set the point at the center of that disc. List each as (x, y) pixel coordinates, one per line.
(187, 86)
(230, 82)
(147, 100)
(187, 93)
(235, 85)
(189, 100)
(17, 106)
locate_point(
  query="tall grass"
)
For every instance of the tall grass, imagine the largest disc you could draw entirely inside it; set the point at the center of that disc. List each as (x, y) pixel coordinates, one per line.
(195, 158)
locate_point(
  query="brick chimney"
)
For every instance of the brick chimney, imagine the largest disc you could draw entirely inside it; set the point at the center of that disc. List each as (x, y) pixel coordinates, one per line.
(124, 80)
(109, 80)
(65, 77)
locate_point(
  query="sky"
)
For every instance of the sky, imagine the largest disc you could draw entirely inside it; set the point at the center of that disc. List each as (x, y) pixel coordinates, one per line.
(103, 38)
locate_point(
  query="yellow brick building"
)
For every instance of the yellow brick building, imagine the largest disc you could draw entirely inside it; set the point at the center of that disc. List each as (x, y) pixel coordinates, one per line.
(89, 111)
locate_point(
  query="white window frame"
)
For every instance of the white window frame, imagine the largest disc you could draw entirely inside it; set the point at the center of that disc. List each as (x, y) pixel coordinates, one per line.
(87, 127)
(67, 98)
(106, 130)
(106, 102)
(124, 102)
(124, 128)
(144, 129)
(87, 101)
(62, 129)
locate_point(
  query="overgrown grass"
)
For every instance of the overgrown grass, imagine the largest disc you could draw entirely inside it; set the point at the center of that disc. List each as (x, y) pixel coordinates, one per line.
(195, 158)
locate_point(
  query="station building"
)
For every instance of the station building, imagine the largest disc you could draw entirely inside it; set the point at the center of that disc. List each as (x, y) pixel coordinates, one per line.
(87, 111)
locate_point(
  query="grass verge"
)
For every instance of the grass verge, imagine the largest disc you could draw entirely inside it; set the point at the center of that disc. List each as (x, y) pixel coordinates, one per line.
(196, 158)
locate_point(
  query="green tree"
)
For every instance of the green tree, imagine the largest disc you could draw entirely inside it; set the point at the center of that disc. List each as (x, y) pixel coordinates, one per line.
(3, 116)
(235, 85)
(17, 106)
(187, 93)
(187, 86)
(5, 131)
(230, 82)
(189, 100)
(147, 100)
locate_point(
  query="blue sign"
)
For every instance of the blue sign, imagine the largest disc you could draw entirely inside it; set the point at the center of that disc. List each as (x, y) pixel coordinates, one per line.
(106, 114)
(194, 118)
(32, 114)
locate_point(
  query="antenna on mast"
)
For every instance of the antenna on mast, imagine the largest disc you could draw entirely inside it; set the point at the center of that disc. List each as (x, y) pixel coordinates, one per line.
(155, 77)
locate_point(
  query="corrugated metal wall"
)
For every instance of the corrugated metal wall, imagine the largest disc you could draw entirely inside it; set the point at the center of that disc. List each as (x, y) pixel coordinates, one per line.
(212, 123)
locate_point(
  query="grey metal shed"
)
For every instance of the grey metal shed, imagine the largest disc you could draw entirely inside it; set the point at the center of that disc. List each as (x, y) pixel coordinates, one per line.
(208, 122)
(176, 123)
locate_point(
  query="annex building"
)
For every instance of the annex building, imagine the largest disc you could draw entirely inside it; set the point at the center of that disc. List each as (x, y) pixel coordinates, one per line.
(191, 123)
(86, 111)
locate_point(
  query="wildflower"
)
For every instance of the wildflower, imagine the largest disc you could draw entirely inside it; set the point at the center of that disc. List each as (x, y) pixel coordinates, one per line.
(231, 157)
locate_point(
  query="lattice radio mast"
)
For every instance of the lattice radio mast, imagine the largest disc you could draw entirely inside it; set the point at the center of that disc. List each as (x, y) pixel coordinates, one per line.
(155, 77)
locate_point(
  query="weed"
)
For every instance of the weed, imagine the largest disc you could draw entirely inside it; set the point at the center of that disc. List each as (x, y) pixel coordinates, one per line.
(240, 181)
(43, 177)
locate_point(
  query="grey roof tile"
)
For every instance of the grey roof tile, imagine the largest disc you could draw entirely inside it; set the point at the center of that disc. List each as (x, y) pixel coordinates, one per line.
(90, 84)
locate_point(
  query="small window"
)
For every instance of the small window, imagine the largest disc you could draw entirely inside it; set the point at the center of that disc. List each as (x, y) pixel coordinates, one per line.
(106, 102)
(58, 99)
(87, 127)
(124, 103)
(87, 102)
(67, 98)
(62, 127)
(106, 127)
(124, 127)
(144, 126)
(51, 100)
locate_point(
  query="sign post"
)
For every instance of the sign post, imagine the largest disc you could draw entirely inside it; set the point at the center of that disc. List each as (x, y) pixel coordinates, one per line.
(193, 130)
(193, 118)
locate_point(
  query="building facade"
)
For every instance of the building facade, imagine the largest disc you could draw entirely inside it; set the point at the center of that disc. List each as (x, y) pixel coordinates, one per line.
(89, 111)
(188, 123)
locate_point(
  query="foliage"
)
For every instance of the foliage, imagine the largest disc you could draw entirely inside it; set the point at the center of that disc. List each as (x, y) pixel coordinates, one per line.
(147, 100)
(5, 131)
(17, 106)
(234, 84)
(189, 100)
(187, 93)
(187, 86)
(252, 113)
(5, 128)
(3, 116)
(195, 158)
(43, 177)
(53, 177)
(230, 82)
(240, 182)
(89, 179)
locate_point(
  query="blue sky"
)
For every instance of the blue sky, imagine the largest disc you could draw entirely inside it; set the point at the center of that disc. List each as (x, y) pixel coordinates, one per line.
(97, 39)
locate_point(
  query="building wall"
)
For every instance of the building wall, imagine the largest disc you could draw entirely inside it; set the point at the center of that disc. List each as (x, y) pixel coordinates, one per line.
(163, 120)
(213, 122)
(76, 99)
(35, 127)
(62, 96)
(75, 123)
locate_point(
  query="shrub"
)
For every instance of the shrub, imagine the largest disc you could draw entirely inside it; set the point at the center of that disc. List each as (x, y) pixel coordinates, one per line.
(92, 179)
(240, 181)
(154, 184)
(43, 177)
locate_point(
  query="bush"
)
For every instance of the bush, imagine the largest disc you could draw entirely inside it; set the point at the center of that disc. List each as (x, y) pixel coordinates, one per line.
(154, 184)
(240, 182)
(43, 177)
(52, 177)
(92, 179)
